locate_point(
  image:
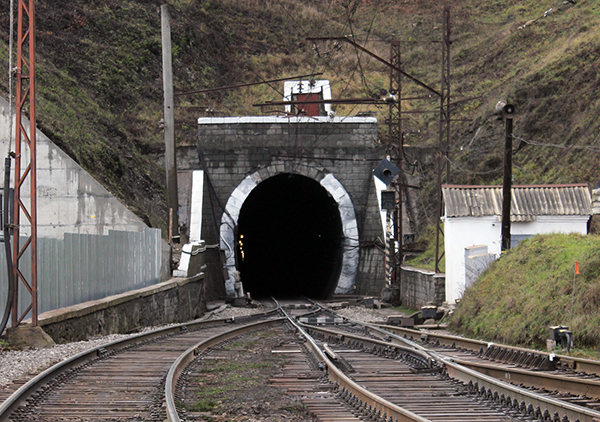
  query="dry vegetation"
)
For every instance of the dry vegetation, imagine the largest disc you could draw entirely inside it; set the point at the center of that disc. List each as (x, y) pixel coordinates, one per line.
(100, 86)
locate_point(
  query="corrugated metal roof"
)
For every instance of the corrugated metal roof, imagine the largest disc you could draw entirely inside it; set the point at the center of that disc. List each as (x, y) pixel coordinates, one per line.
(527, 202)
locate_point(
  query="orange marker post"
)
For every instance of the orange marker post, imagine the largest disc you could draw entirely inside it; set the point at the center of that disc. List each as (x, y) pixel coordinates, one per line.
(573, 294)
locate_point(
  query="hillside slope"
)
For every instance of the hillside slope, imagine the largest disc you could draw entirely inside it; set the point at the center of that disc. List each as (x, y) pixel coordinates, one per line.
(533, 287)
(100, 87)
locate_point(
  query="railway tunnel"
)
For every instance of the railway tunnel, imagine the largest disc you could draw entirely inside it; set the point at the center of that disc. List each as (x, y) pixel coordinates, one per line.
(289, 239)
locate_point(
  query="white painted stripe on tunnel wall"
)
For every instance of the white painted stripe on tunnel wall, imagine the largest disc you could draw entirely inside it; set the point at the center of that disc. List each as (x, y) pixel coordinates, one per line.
(196, 205)
(228, 222)
(350, 257)
(350, 227)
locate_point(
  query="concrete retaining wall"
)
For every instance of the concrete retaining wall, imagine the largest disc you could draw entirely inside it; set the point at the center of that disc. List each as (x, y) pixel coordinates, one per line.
(69, 200)
(174, 301)
(420, 287)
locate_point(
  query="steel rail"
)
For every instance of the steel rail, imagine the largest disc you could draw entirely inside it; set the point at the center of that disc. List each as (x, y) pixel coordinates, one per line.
(30, 387)
(534, 404)
(369, 400)
(190, 354)
(496, 350)
(552, 382)
(422, 355)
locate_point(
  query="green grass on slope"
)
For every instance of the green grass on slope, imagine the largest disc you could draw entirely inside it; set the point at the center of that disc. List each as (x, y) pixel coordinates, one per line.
(531, 288)
(426, 259)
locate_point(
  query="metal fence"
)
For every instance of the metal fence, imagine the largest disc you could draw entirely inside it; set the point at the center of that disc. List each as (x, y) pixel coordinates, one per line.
(83, 267)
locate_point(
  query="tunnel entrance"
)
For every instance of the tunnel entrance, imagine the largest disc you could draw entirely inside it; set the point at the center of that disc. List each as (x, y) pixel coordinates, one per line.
(289, 239)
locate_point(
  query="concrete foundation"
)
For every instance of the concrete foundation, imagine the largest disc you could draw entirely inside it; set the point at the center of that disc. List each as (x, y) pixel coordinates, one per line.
(421, 287)
(28, 336)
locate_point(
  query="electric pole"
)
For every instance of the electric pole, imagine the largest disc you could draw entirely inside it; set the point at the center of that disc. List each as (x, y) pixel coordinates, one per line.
(506, 110)
(25, 164)
(444, 132)
(169, 127)
(395, 131)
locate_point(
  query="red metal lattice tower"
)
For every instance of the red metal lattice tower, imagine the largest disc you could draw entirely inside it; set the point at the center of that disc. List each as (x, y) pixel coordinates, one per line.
(25, 164)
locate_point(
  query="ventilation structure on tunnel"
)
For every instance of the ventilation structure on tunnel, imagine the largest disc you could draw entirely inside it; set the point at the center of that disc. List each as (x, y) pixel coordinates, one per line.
(290, 233)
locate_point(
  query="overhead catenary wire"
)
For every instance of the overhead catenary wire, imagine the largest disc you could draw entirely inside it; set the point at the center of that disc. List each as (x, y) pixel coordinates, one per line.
(319, 139)
(358, 66)
(464, 170)
(358, 53)
(346, 81)
(194, 24)
(561, 146)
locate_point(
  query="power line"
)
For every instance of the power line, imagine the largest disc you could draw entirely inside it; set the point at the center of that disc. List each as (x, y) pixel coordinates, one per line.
(544, 144)
(358, 55)
(464, 170)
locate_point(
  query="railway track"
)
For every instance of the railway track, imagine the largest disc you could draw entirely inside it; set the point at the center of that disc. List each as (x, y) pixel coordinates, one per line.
(572, 379)
(560, 389)
(123, 380)
(316, 366)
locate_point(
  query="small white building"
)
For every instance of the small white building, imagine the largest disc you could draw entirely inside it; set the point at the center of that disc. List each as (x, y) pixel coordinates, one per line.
(473, 224)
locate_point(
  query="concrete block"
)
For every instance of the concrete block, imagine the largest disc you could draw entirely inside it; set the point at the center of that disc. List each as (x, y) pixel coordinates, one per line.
(400, 321)
(240, 302)
(192, 260)
(29, 336)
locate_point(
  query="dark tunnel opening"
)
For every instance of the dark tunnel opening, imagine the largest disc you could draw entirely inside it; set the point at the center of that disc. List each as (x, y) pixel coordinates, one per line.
(289, 239)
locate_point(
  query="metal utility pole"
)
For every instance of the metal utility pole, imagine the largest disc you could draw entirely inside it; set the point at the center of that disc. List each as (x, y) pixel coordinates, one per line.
(169, 126)
(395, 131)
(506, 110)
(444, 123)
(25, 163)
(444, 131)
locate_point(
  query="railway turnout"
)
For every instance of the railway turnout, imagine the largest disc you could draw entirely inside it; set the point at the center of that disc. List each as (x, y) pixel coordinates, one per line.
(304, 362)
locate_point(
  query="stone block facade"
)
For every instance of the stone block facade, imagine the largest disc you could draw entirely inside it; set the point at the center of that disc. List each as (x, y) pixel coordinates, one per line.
(231, 149)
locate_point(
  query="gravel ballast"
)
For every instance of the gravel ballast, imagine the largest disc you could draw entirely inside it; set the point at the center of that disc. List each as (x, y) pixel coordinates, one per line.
(25, 364)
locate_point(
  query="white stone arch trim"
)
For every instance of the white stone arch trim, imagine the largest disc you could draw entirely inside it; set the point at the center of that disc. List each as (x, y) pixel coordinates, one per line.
(350, 258)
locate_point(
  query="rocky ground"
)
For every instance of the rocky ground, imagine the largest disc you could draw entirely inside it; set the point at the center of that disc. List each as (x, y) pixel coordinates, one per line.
(232, 382)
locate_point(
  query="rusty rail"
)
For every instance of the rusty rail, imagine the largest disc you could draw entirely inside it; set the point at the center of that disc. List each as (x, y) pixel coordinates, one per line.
(354, 392)
(528, 402)
(499, 351)
(28, 389)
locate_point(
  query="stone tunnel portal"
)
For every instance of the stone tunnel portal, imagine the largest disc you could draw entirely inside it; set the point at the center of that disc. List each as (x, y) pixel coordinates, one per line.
(289, 239)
